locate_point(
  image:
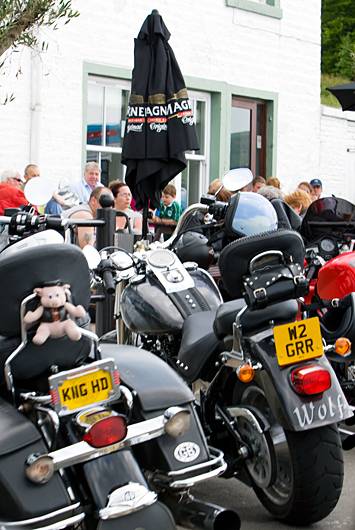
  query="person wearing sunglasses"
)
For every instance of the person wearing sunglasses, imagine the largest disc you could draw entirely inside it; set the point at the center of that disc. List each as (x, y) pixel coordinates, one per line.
(11, 194)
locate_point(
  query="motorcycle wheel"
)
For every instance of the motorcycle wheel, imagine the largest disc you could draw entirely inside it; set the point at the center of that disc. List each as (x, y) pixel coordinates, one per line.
(307, 466)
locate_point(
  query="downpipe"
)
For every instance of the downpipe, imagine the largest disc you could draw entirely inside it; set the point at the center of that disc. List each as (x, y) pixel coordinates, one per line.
(194, 513)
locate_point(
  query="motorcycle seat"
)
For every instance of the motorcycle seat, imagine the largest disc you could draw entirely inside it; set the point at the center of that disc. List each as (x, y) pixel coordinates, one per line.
(198, 344)
(252, 320)
(16, 430)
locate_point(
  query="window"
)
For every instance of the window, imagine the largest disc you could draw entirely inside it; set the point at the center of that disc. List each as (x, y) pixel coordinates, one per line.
(106, 112)
(107, 103)
(194, 179)
(270, 8)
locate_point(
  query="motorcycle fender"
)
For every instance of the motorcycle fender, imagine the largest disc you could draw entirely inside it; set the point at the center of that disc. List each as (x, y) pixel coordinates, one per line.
(157, 385)
(154, 517)
(110, 472)
(168, 453)
(294, 411)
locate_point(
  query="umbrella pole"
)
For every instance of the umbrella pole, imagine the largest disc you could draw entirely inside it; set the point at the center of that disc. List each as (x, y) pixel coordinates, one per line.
(145, 221)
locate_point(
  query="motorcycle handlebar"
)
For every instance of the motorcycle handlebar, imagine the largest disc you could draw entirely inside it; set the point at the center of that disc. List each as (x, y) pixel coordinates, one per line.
(109, 283)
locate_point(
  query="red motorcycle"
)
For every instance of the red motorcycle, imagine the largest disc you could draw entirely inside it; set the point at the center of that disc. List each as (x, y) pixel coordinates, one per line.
(328, 229)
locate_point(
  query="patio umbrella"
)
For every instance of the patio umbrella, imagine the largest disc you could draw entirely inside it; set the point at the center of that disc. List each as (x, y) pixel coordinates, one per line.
(159, 124)
(345, 94)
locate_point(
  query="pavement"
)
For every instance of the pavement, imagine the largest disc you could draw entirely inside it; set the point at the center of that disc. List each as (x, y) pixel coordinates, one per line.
(233, 494)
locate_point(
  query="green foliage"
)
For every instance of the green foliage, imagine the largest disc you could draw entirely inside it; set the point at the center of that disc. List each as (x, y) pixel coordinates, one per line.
(338, 36)
(21, 19)
(346, 58)
(328, 80)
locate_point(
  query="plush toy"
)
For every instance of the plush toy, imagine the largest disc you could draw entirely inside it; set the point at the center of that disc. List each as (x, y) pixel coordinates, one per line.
(55, 313)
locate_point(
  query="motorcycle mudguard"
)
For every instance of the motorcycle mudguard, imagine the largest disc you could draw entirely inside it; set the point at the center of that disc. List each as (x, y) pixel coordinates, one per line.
(154, 517)
(294, 411)
(155, 382)
(113, 471)
(159, 387)
(21, 499)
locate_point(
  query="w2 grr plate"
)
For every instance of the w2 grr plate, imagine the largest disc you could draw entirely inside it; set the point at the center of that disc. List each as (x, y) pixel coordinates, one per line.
(298, 341)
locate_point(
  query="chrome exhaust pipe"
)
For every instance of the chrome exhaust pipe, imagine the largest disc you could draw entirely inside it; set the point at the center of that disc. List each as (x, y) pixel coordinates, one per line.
(194, 513)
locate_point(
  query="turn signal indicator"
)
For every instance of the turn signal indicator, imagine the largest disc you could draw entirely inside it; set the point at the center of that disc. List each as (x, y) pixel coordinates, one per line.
(342, 346)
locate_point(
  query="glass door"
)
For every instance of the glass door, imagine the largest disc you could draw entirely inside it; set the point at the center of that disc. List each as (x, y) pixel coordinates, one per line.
(248, 135)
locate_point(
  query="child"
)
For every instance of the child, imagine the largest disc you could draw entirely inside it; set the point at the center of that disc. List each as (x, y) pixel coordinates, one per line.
(168, 213)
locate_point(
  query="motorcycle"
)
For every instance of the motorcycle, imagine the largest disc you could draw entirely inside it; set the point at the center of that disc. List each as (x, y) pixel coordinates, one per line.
(91, 438)
(267, 395)
(329, 233)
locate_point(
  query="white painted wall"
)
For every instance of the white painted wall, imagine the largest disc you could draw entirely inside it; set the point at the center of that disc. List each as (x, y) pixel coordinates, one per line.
(337, 153)
(211, 41)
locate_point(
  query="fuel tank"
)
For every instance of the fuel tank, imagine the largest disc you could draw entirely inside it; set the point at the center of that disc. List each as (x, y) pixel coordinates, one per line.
(147, 308)
(336, 278)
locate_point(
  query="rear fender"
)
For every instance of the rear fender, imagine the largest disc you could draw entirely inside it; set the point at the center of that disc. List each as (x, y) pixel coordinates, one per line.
(294, 411)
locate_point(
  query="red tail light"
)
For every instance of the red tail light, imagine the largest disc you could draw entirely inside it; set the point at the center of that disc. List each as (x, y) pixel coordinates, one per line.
(106, 431)
(310, 380)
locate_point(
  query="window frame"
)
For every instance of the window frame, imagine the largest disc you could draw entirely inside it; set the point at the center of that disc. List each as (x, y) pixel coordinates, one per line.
(270, 9)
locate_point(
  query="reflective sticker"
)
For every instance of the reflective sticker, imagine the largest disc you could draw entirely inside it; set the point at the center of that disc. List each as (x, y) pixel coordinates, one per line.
(187, 452)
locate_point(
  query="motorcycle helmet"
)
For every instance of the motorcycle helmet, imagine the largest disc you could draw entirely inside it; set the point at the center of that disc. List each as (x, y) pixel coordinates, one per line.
(193, 246)
(248, 214)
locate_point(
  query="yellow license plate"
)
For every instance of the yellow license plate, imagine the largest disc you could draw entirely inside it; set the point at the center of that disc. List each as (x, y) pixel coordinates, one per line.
(80, 388)
(298, 341)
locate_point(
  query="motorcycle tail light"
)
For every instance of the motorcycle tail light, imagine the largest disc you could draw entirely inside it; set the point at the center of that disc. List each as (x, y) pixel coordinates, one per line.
(245, 373)
(310, 380)
(342, 346)
(39, 468)
(106, 431)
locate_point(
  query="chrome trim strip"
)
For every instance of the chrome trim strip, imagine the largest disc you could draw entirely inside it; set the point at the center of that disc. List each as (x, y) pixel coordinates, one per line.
(41, 518)
(188, 482)
(82, 451)
(218, 458)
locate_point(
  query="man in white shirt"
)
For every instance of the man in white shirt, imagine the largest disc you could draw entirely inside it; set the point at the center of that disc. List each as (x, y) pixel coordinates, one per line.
(89, 182)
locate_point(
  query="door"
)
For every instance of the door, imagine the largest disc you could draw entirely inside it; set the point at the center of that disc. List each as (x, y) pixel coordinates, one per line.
(248, 135)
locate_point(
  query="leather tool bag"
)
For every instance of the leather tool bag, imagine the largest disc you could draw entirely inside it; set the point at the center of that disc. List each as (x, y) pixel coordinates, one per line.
(273, 284)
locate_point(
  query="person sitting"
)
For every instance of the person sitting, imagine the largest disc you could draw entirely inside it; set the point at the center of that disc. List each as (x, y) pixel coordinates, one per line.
(167, 215)
(85, 235)
(257, 183)
(123, 197)
(91, 180)
(217, 189)
(273, 181)
(305, 186)
(11, 194)
(299, 200)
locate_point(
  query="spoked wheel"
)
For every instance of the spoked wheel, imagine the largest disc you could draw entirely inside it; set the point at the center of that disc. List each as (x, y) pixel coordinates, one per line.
(297, 476)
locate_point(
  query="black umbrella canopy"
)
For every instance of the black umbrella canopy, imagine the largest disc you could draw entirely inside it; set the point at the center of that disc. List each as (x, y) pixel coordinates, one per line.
(159, 124)
(345, 94)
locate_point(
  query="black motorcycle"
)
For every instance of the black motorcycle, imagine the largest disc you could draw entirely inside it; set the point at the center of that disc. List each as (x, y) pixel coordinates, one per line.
(267, 395)
(93, 437)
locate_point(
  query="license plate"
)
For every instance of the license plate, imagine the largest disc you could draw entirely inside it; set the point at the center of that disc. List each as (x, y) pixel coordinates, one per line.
(298, 341)
(82, 387)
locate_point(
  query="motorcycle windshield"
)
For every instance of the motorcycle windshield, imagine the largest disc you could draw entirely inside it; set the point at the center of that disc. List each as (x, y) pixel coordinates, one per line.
(252, 215)
(329, 216)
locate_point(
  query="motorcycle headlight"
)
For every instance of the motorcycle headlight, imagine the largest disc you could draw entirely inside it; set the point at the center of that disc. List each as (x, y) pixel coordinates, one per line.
(177, 421)
(39, 468)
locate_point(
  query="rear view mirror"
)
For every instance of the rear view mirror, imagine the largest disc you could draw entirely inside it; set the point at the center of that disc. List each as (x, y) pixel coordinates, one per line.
(39, 191)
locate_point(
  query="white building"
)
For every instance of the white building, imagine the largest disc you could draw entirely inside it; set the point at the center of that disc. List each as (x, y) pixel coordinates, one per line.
(252, 68)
